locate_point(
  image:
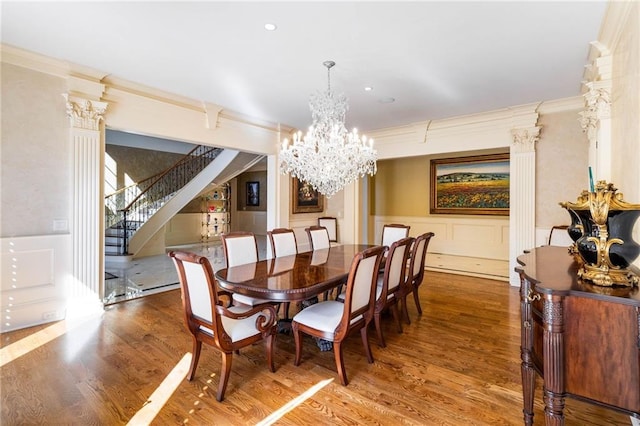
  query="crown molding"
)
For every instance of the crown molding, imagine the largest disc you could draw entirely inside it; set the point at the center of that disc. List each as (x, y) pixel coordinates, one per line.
(573, 103)
(75, 73)
(59, 68)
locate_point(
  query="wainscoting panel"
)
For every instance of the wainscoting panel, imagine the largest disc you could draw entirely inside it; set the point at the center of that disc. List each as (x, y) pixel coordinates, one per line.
(470, 246)
(459, 236)
(35, 273)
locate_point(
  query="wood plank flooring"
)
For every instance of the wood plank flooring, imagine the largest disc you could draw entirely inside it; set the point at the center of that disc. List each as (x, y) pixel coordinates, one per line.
(457, 364)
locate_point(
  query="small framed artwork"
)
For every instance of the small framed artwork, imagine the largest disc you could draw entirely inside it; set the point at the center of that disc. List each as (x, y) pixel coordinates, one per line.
(253, 194)
(305, 199)
(477, 185)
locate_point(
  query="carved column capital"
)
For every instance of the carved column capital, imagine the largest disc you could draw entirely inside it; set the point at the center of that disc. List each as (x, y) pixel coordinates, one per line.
(83, 113)
(524, 140)
(597, 102)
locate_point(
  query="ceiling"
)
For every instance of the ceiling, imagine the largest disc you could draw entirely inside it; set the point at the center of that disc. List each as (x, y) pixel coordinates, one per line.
(435, 59)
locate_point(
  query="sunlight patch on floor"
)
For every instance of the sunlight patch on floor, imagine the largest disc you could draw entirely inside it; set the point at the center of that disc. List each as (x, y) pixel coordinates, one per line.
(161, 395)
(27, 344)
(276, 415)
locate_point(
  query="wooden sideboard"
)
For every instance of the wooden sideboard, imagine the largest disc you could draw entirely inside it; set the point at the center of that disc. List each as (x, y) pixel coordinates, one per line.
(582, 339)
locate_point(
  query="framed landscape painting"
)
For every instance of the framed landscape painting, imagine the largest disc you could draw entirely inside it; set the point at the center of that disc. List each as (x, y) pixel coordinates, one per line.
(470, 185)
(305, 199)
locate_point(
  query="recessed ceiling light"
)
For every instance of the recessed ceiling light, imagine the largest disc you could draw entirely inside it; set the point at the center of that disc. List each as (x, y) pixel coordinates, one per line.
(386, 100)
(270, 27)
(368, 89)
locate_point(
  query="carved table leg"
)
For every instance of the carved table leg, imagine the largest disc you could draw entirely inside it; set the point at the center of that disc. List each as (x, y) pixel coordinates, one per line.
(528, 386)
(553, 318)
(526, 345)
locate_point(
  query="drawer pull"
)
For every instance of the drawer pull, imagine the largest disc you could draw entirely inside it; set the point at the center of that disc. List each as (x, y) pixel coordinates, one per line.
(531, 297)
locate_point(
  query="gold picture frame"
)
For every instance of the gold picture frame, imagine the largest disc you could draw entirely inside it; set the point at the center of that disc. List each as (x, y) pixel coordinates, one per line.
(305, 199)
(477, 185)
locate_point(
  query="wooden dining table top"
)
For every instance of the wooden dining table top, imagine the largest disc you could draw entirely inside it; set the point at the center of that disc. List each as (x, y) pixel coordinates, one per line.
(291, 278)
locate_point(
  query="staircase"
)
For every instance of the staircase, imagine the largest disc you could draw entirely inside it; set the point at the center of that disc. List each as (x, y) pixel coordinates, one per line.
(135, 213)
(129, 208)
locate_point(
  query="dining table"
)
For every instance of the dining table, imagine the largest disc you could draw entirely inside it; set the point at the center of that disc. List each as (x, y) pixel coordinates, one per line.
(291, 278)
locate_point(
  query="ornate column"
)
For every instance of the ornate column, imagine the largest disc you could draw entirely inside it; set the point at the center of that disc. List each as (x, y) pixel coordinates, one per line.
(522, 195)
(86, 134)
(595, 119)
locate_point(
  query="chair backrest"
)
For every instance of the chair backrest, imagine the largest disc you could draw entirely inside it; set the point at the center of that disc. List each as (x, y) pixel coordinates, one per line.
(198, 288)
(318, 237)
(558, 236)
(331, 223)
(418, 254)
(239, 248)
(393, 232)
(283, 242)
(361, 284)
(395, 268)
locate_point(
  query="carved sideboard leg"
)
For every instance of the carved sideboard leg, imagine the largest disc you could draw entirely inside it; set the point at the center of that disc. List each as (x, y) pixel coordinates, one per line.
(526, 345)
(553, 348)
(553, 409)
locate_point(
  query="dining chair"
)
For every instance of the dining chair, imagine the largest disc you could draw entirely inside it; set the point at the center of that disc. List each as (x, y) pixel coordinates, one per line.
(318, 237)
(391, 284)
(208, 321)
(558, 236)
(331, 223)
(283, 243)
(319, 240)
(334, 321)
(393, 232)
(416, 272)
(240, 248)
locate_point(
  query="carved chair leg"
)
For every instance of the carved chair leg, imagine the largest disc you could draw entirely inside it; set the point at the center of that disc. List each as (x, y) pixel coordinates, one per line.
(337, 353)
(417, 300)
(365, 342)
(381, 341)
(396, 316)
(195, 357)
(269, 349)
(405, 309)
(298, 341)
(224, 374)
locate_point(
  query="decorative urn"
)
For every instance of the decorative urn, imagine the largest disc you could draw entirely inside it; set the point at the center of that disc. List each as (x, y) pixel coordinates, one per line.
(601, 228)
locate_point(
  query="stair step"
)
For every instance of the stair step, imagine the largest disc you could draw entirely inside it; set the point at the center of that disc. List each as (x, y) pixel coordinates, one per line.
(116, 259)
(112, 250)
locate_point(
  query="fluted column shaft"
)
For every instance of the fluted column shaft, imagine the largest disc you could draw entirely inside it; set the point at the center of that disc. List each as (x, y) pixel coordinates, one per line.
(86, 137)
(522, 195)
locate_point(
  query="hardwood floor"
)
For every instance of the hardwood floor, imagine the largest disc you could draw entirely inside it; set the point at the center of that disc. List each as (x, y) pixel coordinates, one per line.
(457, 364)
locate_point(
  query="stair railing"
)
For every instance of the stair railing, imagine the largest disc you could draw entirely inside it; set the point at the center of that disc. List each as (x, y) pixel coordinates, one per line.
(128, 208)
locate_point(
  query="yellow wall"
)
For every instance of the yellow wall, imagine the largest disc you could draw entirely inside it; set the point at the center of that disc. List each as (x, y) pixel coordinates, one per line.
(401, 187)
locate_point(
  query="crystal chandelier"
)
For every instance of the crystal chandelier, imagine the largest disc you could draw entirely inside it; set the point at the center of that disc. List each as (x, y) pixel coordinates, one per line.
(328, 157)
